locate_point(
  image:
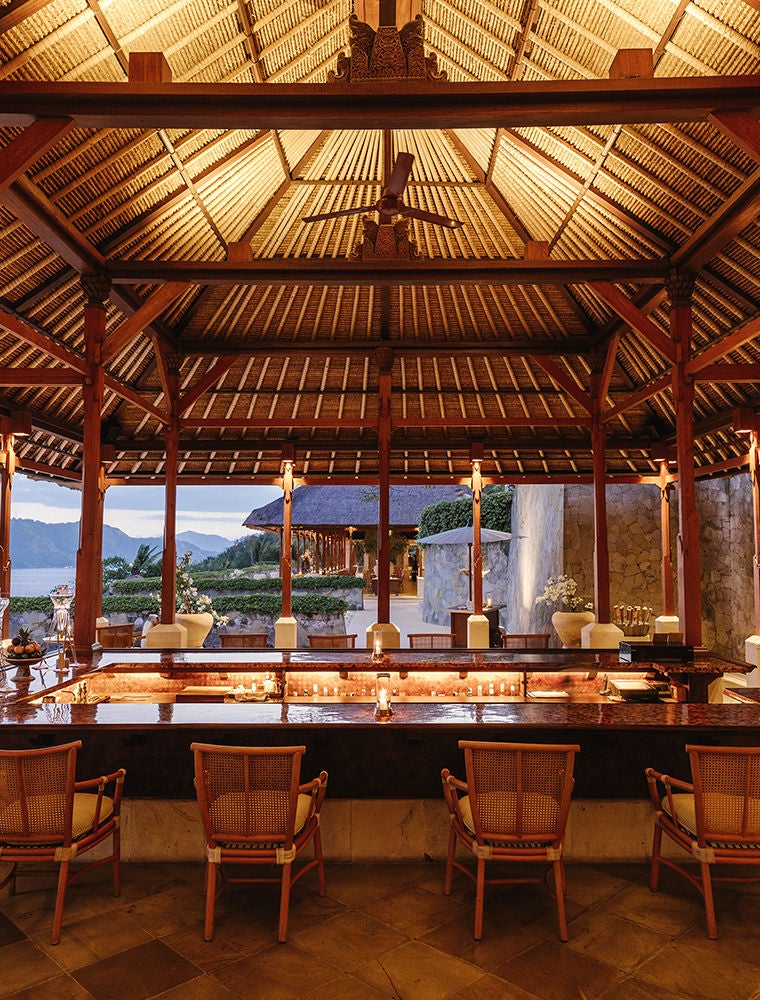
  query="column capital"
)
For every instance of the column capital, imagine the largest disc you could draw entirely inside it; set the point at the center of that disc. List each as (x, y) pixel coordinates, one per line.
(96, 287)
(679, 286)
(384, 359)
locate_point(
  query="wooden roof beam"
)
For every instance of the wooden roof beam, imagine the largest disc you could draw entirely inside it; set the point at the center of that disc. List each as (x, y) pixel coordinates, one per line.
(636, 319)
(513, 104)
(30, 145)
(319, 272)
(401, 348)
(19, 10)
(736, 374)
(37, 376)
(563, 380)
(37, 338)
(212, 376)
(637, 397)
(134, 325)
(718, 349)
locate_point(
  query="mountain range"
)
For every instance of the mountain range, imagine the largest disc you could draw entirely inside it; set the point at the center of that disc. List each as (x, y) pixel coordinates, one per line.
(36, 544)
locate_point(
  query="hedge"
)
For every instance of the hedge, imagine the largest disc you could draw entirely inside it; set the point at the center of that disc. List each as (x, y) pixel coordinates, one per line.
(265, 604)
(237, 584)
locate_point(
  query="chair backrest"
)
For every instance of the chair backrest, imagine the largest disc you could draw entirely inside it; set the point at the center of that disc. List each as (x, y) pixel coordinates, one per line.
(243, 640)
(37, 794)
(333, 641)
(526, 640)
(431, 640)
(519, 791)
(247, 794)
(726, 793)
(115, 636)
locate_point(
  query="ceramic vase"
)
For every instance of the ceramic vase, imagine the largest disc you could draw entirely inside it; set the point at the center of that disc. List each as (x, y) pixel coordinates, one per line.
(568, 625)
(198, 626)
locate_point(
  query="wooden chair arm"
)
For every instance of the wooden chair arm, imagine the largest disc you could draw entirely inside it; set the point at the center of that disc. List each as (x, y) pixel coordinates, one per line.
(101, 783)
(656, 778)
(317, 787)
(451, 789)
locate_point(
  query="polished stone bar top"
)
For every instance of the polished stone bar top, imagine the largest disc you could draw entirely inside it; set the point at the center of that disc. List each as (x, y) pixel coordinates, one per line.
(518, 712)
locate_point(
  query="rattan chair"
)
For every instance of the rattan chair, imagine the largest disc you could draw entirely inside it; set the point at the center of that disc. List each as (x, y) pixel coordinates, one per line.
(525, 640)
(513, 807)
(115, 636)
(715, 818)
(431, 640)
(333, 641)
(243, 640)
(47, 817)
(255, 812)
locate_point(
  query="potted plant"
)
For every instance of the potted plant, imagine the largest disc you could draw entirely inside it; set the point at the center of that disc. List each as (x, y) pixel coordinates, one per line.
(573, 610)
(195, 611)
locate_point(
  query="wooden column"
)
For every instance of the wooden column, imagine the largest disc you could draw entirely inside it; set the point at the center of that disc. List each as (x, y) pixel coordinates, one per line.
(383, 504)
(7, 469)
(601, 545)
(666, 563)
(171, 448)
(680, 287)
(754, 470)
(286, 561)
(477, 549)
(89, 564)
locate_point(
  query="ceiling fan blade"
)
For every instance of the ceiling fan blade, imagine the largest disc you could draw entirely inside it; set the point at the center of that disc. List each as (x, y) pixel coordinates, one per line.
(437, 220)
(399, 175)
(338, 214)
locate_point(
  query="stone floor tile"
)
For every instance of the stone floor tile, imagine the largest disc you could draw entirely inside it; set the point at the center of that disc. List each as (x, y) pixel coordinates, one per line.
(491, 987)
(58, 988)
(356, 884)
(590, 886)
(9, 932)
(553, 971)
(86, 941)
(345, 987)
(632, 988)
(701, 972)
(667, 914)
(612, 939)
(413, 911)
(23, 965)
(203, 988)
(349, 940)
(142, 972)
(416, 970)
(282, 972)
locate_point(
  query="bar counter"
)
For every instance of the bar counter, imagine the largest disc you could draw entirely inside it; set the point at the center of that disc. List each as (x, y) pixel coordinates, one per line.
(367, 758)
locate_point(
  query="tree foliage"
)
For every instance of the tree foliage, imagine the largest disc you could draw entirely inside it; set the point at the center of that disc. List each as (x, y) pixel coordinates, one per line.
(495, 512)
(261, 547)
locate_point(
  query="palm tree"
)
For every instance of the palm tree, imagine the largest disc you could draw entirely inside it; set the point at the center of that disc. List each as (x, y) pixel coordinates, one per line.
(143, 557)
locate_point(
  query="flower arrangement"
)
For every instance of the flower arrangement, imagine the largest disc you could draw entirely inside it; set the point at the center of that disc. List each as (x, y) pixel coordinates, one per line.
(189, 601)
(563, 590)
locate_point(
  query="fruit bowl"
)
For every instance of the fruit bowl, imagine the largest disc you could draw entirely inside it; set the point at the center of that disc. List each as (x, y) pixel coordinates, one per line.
(25, 659)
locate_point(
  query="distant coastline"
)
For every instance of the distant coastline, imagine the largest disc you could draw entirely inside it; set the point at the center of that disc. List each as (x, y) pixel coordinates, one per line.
(38, 582)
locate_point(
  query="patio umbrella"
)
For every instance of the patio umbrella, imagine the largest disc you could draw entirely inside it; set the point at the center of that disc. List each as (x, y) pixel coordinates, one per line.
(465, 536)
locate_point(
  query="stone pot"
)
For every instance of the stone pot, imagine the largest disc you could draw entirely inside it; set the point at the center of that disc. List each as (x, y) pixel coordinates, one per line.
(198, 626)
(568, 625)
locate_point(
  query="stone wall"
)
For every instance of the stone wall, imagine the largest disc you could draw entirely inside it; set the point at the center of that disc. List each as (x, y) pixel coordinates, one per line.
(446, 586)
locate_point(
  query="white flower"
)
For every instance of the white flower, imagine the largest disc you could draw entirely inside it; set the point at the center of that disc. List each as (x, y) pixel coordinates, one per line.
(561, 590)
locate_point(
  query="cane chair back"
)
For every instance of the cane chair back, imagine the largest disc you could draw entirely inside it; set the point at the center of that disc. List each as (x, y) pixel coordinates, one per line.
(513, 806)
(255, 812)
(115, 636)
(338, 641)
(243, 640)
(715, 817)
(431, 640)
(48, 817)
(525, 640)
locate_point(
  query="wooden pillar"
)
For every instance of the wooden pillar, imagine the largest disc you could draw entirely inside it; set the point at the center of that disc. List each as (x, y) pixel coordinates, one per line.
(666, 563)
(601, 545)
(384, 492)
(171, 362)
(754, 470)
(680, 287)
(477, 549)
(89, 562)
(7, 469)
(286, 562)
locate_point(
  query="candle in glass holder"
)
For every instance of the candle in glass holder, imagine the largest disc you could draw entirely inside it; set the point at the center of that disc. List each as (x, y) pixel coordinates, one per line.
(383, 708)
(378, 649)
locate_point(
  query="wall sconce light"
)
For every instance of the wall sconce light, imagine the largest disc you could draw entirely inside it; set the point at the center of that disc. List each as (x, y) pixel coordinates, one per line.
(744, 420)
(383, 710)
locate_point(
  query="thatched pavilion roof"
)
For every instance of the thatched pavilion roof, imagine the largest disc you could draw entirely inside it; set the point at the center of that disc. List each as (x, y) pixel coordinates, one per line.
(327, 507)
(580, 195)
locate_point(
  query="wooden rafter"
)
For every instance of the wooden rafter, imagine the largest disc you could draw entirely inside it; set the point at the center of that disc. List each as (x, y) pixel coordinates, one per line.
(30, 145)
(471, 105)
(742, 335)
(637, 320)
(36, 376)
(134, 325)
(212, 376)
(31, 335)
(562, 379)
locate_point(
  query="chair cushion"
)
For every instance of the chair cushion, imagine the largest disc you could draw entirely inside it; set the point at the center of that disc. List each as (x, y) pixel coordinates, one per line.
(231, 804)
(686, 817)
(534, 803)
(82, 820)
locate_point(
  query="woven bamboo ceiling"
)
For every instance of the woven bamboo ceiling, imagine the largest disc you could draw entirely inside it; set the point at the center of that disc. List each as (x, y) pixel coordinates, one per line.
(600, 153)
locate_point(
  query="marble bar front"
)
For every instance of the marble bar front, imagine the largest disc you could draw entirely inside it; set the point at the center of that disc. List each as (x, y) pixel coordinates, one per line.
(142, 709)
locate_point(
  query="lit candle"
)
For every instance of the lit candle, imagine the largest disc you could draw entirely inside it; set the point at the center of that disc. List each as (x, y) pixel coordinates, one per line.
(382, 700)
(378, 644)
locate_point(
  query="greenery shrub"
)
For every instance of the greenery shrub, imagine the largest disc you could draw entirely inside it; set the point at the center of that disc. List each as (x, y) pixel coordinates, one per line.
(241, 584)
(495, 512)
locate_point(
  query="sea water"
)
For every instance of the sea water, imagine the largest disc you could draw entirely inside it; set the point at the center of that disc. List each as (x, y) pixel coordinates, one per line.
(39, 582)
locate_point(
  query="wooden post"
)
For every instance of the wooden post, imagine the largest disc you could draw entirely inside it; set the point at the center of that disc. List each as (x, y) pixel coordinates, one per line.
(7, 469)
(601, 544)
(286, 561)
(171, 447)
(754, 470)
(383, 505)
(680, 287)
(477, 549)
(89, 562)
(666, 563)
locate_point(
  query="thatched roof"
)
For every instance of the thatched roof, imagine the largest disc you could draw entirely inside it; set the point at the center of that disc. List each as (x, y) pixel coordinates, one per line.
(355, 506)
(580, 194)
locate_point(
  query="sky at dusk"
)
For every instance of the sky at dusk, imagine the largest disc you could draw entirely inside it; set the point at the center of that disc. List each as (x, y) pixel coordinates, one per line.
(139, 510)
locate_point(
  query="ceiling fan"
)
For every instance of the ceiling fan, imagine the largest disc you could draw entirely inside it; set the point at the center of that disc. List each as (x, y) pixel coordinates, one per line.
(391, 201)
